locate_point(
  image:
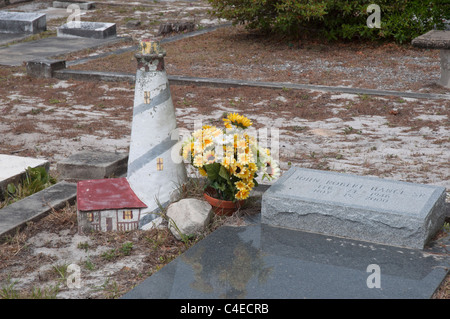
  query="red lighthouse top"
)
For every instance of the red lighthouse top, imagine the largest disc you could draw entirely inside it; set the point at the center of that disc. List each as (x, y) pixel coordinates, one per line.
(111, 193)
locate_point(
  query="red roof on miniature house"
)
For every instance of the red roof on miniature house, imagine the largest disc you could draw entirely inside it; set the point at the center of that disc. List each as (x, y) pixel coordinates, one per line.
(111, 193)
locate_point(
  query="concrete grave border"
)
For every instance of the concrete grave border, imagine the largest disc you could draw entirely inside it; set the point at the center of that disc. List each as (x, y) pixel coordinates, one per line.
(16, 216)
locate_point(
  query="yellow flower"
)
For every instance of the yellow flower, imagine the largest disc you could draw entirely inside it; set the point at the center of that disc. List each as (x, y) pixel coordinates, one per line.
(186, 152)
(226, 162)
(198, 148)
(242, 194)
(241, 171)
(240, 185)
(202, 171)
(244, 159)
(236, 168)
(236, 120)
(207, 140)
(252, 167)
(241, 144)
(198, 161)
(197, 134)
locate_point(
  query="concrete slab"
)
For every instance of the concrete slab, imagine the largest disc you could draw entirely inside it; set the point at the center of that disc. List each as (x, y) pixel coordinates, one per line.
(83, 5)
(6, 38)
(26, 22)
(359, 207)
(12, 169)
(36, 206)
(15, 55)
(85, 29)
(93, 165)
(261, 261)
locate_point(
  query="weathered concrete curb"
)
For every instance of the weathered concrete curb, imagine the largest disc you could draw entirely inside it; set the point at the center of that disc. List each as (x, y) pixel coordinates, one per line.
(283, 85)
(186, 80)
(36, 206)
(79, 75)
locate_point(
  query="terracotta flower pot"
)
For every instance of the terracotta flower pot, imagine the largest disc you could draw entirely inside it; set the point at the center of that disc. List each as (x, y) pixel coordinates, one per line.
(222, 207)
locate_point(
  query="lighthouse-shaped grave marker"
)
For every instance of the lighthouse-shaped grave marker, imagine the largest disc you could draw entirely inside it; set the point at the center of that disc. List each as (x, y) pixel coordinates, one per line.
(155, 170)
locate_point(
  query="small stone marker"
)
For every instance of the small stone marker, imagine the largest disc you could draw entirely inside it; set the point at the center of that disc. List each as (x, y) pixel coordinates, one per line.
(85, 29)
(440, 40)
(363, 208)
(22, 22)
(44, 68)
(93, 165)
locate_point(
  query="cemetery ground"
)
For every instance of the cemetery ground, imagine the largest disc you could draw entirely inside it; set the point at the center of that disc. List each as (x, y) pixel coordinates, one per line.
(388, 136)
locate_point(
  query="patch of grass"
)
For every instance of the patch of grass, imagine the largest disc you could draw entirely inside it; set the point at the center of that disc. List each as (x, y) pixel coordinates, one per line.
(351, 130)
(45, 293)
(110, 255)
(54, 101)
(124, 250)
(8, 290)
(61, 271)
(83, 246)
(365, 97)
(298, 128)
(89, 265)
(109, 288)
(36, 179)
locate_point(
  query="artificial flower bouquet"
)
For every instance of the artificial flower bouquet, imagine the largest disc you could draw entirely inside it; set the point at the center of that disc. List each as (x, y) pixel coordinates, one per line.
(230, 158)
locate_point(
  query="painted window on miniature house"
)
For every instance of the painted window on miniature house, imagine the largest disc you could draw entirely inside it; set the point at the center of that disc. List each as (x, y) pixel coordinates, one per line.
(90, 217)
(127, 214)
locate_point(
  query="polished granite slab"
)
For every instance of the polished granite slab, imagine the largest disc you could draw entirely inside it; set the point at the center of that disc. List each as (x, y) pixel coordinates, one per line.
(262, 261)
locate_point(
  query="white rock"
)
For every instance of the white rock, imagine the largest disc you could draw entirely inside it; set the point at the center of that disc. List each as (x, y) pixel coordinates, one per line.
(190, 216)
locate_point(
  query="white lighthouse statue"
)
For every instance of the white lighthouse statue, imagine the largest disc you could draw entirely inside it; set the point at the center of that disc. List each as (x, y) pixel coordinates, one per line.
(153, 172)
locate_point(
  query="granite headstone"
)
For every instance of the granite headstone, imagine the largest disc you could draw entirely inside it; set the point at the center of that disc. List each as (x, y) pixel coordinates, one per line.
(358, 207)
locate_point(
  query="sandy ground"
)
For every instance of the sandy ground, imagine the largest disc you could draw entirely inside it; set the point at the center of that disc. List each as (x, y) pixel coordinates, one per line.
(390, 137)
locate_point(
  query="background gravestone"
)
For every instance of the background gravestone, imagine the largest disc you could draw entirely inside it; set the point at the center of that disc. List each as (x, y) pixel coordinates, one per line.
(85, 29)
(22, 22)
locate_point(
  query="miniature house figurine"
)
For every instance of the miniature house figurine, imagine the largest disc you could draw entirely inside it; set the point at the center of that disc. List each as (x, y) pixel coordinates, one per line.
(107, 205)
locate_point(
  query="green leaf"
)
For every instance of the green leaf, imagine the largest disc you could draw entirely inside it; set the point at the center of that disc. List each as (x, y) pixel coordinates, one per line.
(11, 188)
(223, 172)
(213, 171)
